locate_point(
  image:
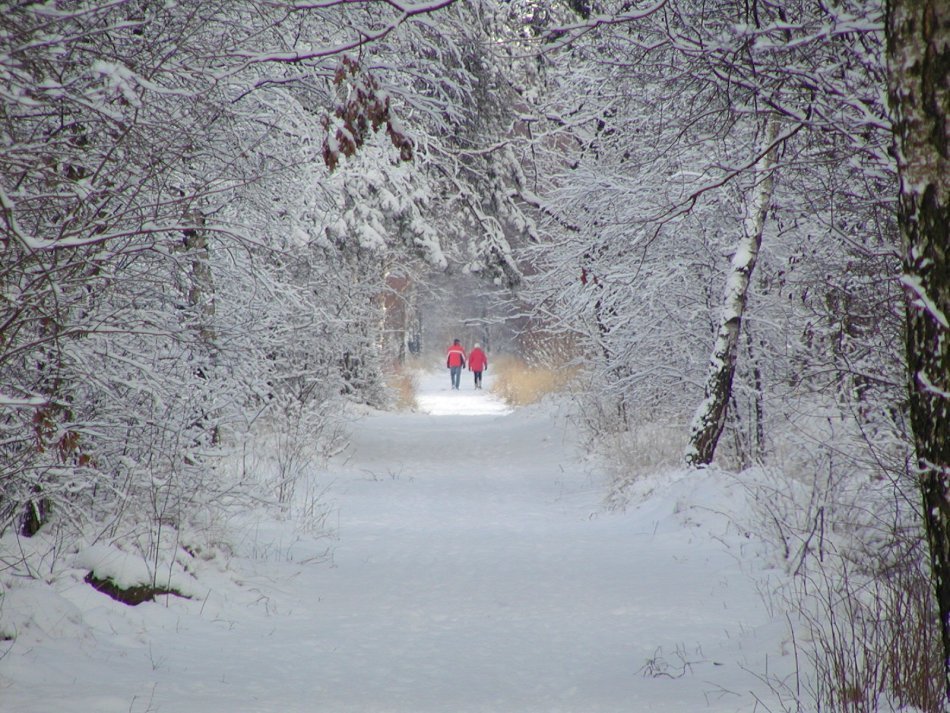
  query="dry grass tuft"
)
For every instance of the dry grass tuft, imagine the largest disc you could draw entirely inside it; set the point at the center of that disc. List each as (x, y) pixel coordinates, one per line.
(402, 384)
(521, 384)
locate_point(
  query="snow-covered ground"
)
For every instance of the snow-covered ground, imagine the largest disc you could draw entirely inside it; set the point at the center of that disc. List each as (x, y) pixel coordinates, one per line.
(473, 568)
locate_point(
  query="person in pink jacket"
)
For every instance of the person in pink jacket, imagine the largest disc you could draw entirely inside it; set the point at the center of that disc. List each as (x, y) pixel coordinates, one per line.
(477, 363)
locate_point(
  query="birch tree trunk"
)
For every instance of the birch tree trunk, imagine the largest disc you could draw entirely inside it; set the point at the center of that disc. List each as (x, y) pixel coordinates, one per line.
(201, 291)
(918, 48)
(710, 416)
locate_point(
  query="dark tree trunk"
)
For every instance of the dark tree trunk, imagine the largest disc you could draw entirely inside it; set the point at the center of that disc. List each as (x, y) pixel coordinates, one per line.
(34, 514)
(918, 48)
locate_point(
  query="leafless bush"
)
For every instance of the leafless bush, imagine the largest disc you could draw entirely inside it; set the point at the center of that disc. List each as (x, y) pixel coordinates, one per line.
(292, 440)
(872, 642)
(862, 610)
(647, 447)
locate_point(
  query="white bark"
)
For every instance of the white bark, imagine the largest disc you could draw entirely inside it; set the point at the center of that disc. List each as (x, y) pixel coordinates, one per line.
(710, 416)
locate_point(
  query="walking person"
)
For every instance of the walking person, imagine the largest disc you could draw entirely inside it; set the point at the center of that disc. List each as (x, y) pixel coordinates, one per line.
(477, 363)
(455, 361)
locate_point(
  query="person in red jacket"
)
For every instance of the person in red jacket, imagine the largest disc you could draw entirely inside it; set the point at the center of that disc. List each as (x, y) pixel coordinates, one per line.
(455, 361)
(477, 363)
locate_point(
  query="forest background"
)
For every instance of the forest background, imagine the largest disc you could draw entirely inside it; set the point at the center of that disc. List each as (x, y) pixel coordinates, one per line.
(728, 220)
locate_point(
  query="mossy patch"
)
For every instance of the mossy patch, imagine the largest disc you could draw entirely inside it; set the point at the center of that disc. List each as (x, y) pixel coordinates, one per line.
(133, 596)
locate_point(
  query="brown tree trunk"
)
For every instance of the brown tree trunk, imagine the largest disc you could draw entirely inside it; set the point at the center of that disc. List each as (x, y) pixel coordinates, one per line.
(918, 49)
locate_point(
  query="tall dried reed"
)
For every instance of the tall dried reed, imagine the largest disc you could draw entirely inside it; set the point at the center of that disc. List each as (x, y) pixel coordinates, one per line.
(521, 384)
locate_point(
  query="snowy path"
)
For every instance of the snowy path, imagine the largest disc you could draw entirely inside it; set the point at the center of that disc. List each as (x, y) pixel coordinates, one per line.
(474, 570)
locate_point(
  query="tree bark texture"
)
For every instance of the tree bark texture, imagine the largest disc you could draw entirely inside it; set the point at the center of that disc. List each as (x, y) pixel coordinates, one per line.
(918, 50)
(200, 289)
(710, 416)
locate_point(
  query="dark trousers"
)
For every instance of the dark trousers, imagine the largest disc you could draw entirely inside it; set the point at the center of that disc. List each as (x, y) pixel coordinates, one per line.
(456, 373)
(478, 379)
